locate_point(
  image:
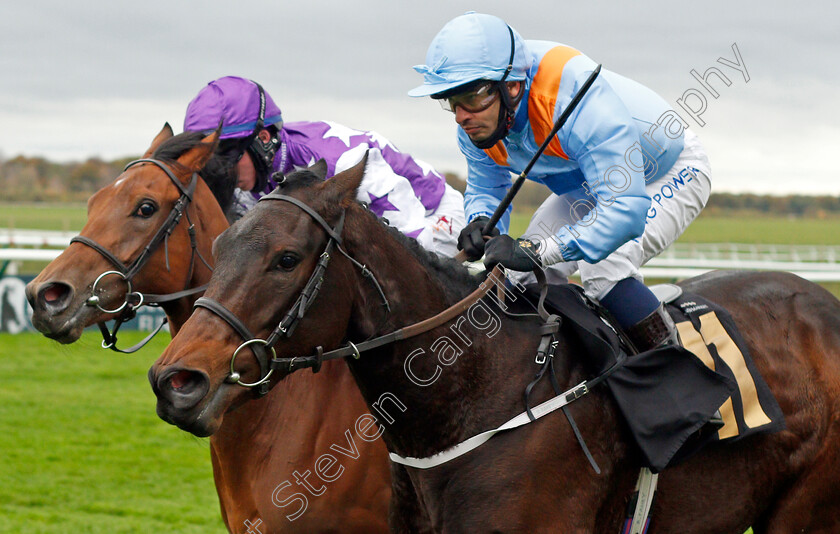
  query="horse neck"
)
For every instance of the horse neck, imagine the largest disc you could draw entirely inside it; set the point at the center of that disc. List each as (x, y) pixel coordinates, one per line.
(438, 402)
(210, 221)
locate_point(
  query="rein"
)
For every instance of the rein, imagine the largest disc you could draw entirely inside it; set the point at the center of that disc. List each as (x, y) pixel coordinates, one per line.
(259, 347)
(307, 296)
(134, 299)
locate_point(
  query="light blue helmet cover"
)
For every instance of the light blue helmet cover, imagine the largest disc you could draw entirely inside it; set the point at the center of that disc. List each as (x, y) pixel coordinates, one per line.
(471, 47)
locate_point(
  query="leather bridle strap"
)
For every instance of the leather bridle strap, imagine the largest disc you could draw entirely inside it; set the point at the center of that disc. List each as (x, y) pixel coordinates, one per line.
(121, 267)
(333, 233)
(128, 272)
(163, 232)
(351, 349)
(296, 312)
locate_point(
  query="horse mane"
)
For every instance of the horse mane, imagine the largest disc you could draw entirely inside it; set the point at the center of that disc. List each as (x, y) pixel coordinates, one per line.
(456, 279)
(218, 173)
(451, 274)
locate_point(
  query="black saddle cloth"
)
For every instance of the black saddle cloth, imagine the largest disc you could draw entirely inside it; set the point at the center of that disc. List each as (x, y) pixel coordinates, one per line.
(665, 395)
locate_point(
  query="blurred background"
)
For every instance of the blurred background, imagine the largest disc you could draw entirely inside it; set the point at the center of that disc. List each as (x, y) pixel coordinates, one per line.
(85, 87)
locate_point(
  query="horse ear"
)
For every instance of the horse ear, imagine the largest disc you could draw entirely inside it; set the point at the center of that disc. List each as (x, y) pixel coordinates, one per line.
(342, 187)
(165, 133)
(196, 157)
(319, 168)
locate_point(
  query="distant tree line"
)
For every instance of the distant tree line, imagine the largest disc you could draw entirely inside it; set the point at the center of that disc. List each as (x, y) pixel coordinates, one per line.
(795, 205)
(37, 179)
(533, 194)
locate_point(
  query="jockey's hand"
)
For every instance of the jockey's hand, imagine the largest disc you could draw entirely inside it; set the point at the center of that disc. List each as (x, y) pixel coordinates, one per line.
(514, 254)
(471, 241)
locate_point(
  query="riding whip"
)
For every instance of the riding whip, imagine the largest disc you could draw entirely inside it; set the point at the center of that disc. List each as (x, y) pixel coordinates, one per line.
(561, 120)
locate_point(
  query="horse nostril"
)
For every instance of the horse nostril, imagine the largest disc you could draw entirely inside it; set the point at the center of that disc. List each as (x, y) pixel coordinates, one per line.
(55, 296)
(183, 389)
(180, 379)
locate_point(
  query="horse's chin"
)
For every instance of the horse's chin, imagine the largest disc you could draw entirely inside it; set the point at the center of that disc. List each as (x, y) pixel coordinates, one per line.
(64, 330)
(202, 421)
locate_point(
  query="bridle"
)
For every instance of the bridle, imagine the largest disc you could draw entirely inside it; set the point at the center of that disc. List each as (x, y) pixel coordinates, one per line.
(134, 299)
(293, 316)
(261, 347)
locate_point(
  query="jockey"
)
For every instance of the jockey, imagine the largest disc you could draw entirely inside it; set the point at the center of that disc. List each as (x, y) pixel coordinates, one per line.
(621, 147)
(409, 193)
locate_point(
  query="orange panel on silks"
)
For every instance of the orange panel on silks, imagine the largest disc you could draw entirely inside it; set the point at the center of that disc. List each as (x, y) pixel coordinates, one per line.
(541, 103)
(543, 96)
(498, 153)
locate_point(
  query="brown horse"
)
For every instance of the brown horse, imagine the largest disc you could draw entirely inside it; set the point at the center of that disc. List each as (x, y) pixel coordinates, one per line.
(427, 398)
(263, 443)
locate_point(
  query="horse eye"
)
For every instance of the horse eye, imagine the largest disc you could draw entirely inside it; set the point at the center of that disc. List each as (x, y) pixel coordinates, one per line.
(146, 209)
(287, 262)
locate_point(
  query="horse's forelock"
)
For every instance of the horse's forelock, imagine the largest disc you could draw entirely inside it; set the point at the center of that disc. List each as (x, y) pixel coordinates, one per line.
(218, 173)
(300, 179)
(175, 147)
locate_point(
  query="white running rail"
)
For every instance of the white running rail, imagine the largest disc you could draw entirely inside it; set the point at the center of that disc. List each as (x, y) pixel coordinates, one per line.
(681, 260)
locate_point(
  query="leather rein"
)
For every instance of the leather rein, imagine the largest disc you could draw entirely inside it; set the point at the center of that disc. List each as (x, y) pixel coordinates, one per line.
(134, 299)
(261, 347)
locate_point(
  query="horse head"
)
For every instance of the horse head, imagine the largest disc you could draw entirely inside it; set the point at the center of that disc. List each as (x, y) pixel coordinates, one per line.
(263, 264)
(124, 219)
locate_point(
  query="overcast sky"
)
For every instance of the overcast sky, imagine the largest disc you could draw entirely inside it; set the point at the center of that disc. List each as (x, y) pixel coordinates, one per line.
(100, 77)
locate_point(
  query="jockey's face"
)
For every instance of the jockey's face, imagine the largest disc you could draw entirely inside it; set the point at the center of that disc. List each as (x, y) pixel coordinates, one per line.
(246, 173)
(480, 125)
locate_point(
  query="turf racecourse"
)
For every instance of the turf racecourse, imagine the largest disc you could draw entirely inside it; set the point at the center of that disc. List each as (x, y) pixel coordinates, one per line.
(82, 451)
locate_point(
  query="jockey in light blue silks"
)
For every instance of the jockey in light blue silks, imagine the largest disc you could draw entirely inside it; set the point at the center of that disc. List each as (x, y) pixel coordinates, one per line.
(621, 147)
(408, 192)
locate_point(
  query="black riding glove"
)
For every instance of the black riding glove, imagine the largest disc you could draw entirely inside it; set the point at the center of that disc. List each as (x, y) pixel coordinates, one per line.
(471, 241)
(514, 254)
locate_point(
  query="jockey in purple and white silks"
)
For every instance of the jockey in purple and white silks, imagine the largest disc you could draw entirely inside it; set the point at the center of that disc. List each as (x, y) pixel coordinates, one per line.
(408, 192)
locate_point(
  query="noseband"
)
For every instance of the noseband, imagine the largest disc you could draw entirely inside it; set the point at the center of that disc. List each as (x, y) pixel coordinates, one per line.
(287, 325)
(290, 320)
(133, 300)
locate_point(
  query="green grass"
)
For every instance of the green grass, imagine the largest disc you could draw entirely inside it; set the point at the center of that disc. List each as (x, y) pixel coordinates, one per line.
(762, 230)
(43, 216)
(758, 229)
(82, 449)
(707, 228)
(741, 229)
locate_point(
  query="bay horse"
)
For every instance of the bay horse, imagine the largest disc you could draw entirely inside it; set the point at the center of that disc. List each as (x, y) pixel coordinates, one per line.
(426, 399)
(263, 441)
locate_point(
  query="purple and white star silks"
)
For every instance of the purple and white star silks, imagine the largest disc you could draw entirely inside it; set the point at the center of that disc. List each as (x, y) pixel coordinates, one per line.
(379, 205)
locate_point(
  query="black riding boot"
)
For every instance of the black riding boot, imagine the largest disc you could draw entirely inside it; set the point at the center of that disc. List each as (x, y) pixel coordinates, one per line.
(653, 331)
(656, 330)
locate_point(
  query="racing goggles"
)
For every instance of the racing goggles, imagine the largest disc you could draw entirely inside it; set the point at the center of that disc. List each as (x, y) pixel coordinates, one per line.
(474, 100)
